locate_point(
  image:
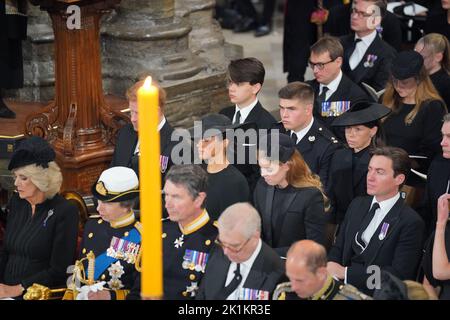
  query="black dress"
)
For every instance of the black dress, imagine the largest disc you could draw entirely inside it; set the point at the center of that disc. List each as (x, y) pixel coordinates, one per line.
(423, 135)
(38, 248)
(225, 188)
(441, 81)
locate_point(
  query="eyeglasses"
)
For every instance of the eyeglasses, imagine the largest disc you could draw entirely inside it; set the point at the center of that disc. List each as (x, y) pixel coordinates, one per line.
(231, 248)
(361, 14)
(319, 65)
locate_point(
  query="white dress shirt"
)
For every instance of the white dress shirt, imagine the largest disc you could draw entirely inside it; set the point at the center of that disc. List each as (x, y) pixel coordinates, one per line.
(245, 111)
(302, 133)
(332, 86)
(244, 269)
(360, 49)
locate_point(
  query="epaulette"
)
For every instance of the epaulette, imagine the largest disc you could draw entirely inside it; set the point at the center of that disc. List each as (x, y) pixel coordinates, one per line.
(328, 135)
(138, 226)
(349, 292)
(95, 216)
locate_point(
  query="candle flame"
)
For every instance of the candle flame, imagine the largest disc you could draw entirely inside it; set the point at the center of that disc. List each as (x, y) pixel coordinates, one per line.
(147, 83)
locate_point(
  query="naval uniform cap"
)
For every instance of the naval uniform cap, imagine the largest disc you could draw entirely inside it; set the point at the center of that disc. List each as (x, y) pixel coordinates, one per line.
(116, 184)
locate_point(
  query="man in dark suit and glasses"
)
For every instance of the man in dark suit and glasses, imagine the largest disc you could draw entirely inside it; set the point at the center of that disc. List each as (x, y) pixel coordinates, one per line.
(333, 89)
(244, 268)
(246, 77)
(367, 58)
(379, 230)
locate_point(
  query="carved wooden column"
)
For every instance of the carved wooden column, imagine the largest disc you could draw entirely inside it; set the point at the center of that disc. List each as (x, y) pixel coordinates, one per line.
(78, 122)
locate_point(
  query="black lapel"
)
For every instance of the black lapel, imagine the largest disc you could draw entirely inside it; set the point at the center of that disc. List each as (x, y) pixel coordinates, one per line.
(221, 266)
(267, 214)
(347, 162)
(392, 218)
(361, 169)
(257, 276)
(254, 115)
(281, 215)
(165, 135)
(360, 70)
(130, 145)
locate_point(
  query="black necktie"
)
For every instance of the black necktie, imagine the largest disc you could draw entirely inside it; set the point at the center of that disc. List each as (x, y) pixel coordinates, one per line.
(365, 223)
(223, 294)
(294, 137)
(323, 95)
(349, 51)
(238, 118)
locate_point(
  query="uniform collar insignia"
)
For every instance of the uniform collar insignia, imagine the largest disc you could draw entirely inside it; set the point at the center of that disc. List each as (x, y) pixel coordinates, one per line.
(195, 225)
(323, 293)
(124, 221)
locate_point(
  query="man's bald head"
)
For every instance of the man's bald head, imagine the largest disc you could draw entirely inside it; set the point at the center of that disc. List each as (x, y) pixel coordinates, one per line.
(240, 216)
(309, 253)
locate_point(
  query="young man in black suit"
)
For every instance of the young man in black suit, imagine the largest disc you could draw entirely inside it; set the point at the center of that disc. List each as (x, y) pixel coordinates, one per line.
(335, 93)
(315, 142)
(379, 230)
(246, 77)
(126, 152)
(367, 58)
(245, 268)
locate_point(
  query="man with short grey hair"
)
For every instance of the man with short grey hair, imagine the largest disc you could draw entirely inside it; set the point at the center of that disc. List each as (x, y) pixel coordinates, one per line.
(241, 266)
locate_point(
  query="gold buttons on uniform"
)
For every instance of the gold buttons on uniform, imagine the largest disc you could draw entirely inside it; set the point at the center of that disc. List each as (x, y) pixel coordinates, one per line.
(90, 235)
(184, 293)
(126, 234)
(103, 277)
(164, 235)
(208, 242)
(99, 221)
(192, 277)
(84, 250)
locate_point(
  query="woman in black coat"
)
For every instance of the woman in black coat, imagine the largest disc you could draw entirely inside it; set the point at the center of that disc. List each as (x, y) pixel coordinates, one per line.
(348, 167)
(41, 230)
(288, 196)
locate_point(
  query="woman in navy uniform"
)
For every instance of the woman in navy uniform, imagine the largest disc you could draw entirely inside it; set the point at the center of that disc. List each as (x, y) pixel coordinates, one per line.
(111, 241)
(348, 168)
(41, 227)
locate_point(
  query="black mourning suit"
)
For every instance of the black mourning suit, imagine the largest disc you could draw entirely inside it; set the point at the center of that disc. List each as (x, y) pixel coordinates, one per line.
(375, 75)
(399, 252)
(266, 273)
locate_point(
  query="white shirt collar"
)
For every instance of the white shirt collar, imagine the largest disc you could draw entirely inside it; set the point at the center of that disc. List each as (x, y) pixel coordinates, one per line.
(302, 133)
(245, 111)
(244, 269)
(332, 86)
(367, 40)
(386, 205)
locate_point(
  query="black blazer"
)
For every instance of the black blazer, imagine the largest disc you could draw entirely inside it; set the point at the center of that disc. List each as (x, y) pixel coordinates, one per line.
(344, 183)
(301, 216)
(398, 253)
(126, 144)
(260, 118)
(39, 249)
(437, 180)
(346, 91)
(317, 148)
(266, 273)
(377, 75)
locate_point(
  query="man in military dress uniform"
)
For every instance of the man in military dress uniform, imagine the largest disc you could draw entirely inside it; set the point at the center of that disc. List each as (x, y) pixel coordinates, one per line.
(306, 268)
(188, 232)
(110, 249)
(315, 142)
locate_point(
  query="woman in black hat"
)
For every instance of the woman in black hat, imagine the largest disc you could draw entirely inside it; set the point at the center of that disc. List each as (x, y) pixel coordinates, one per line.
(417, 109)
(112, 238)
(41, 233)
(288, 196)
(226, 184)
(348, 167)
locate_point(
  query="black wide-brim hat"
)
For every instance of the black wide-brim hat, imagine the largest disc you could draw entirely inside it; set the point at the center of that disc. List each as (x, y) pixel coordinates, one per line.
(116, 184)
(286, 146)
(361, 113)
(406, 65)
(213, 125)
(33, 150)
